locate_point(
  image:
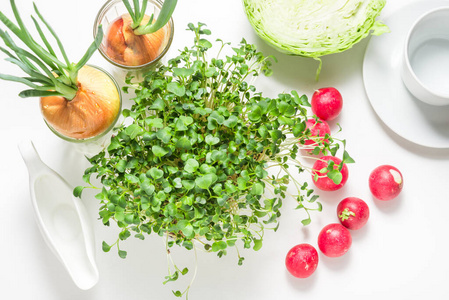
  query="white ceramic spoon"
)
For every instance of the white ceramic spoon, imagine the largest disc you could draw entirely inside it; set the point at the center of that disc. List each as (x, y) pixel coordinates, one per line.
(62, 219)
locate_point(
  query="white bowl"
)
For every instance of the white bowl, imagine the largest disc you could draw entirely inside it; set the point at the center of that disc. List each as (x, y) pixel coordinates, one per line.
(425, 69)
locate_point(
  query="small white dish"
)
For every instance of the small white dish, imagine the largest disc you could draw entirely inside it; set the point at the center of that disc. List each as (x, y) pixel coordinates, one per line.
(410, 118)
(62, 219)
(425, 68)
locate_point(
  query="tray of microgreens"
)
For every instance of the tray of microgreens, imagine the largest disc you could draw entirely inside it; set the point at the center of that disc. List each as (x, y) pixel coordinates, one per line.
(192, 164)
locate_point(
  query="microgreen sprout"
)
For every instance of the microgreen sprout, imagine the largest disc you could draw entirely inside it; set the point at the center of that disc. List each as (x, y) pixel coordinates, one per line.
(192, 164)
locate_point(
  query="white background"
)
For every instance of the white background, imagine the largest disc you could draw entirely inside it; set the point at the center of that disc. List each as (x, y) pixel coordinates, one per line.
(400, 254)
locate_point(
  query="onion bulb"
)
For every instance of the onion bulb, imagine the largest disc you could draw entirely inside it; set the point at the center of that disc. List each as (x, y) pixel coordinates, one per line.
(125, 47)
(94, 109)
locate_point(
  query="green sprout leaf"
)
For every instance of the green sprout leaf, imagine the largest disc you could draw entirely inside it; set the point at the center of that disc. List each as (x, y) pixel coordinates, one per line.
(186, 228)
(212, 140)
(257, 189)
(154, 122)
(220, 245)
(164, 135)
(183, 72)
(78, 191)
(347, 159)
(191, 165)
(176, 88)
(302, 101)
(106, 247)
(306, 222)
(257, 245)
(255, 113)
(158, 151)
(184, 143)
(133, 131)
(206, 181)
(155, 173)
(335, 176)
(158, 104)
(122, 254)
(177, 293)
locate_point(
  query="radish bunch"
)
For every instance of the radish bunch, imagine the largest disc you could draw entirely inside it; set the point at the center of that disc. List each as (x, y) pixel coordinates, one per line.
(385, 183)
(328, 172)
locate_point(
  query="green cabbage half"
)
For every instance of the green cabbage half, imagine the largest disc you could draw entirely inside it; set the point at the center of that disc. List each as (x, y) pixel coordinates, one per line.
(313, 28)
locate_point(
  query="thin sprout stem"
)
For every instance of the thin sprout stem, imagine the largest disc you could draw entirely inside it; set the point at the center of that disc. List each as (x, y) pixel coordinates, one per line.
(167, 250)
(194, 273)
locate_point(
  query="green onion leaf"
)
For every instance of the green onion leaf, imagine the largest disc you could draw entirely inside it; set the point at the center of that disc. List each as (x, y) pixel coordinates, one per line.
(164, 16)
(91, 50)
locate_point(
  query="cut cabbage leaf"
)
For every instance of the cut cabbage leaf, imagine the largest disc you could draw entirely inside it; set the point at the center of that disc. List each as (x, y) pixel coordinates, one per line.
(313, 28)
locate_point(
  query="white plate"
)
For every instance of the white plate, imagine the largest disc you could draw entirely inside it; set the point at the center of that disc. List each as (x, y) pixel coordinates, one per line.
(408, 117)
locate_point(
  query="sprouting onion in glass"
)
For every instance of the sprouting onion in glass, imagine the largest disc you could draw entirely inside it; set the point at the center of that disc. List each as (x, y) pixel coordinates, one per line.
(136, 38)
(77, 101)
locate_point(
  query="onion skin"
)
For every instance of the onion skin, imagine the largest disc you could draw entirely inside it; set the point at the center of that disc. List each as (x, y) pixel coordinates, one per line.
(116, 44)
(92, 111)
(123, 46)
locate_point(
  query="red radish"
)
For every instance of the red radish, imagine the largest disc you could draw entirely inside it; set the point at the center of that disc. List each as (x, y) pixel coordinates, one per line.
(323, 182)
(353, 213)
(334, 240)
(317, 129)
(302, 260)
(327, 103)
(385, 182)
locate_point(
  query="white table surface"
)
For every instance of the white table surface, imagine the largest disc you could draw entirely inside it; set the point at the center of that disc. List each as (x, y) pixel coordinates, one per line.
(400, 254)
